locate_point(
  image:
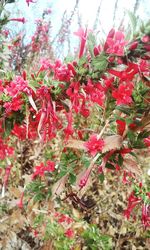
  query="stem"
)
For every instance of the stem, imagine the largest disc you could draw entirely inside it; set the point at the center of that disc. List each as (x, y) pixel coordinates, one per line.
(103, 129)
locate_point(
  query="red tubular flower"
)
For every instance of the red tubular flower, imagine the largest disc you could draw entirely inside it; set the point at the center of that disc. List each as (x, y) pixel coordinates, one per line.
(133, 201)
(83, 36)
(1, 86)
(146, 215)
(21, 20)
(69, 129)
(72, 69)
(20, 203)
(7, 174)
(127, 74)
(75, 96)
(94, 145)
(97, 50)
(30, 1)
(121, 125)
(133, 45)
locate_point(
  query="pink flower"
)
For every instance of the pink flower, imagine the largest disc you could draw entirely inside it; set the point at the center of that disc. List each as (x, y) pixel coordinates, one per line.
(94, 145)
(145, 39)
(17, 85)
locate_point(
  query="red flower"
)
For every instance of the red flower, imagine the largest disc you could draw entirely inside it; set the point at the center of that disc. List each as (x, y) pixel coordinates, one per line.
(123, 93)
(94, 145)
(22, 20)
(29, 1)
(75, 96)
(145, 39)
(121, 125)
(64, 219)
(146, 215)
(115, 43)
(83, 36)
(19, 131)
(147, 141)
(20, 203)
(7, 174)
(5, 150)
(1, 86)
(41, 169)
(133, 201)
(69, 129)
(128, 73)
(133, 45)
(97, 50)
(17, 85)
(61, 72)
(95, 92)
(50, 166)
(14, 105)
(69, 233)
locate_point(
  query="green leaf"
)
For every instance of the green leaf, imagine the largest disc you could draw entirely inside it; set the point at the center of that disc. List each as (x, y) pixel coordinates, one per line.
(91, 43)
(72, 178)
(62, 173)
(101, 177)
(110, 166)
(131, 136)
(86, 162)
(143, 134)
(133, 25)
(120, 160)
(100, 62)
(125, 109)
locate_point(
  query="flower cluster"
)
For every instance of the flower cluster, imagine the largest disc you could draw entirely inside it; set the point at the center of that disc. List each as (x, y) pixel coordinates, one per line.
(97, 104)
(41, 169)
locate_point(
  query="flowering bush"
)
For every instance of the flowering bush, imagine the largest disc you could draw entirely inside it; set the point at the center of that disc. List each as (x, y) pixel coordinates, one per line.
(84, 118)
